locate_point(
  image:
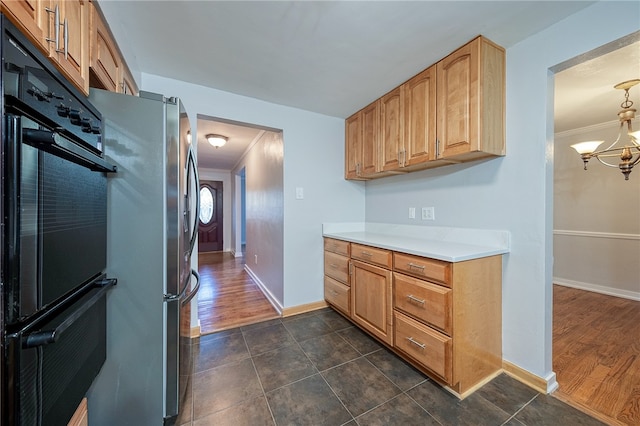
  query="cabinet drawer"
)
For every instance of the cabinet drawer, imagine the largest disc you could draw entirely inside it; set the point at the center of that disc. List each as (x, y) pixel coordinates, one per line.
(427, 346)
(371, 255)
(337, 294)
(423, 300)
(422, 267)
(337, 246)
(336, 266)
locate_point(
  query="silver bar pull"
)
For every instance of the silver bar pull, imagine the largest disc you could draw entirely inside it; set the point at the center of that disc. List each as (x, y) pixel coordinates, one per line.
(333, 265)
(366, 253)
(412, 298)
(413, 265)
(418, 344)
(56, 24)
(66, 39)
(334, 293)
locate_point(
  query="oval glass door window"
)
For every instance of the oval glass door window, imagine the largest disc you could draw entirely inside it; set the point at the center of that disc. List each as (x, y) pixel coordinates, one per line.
(206, 205)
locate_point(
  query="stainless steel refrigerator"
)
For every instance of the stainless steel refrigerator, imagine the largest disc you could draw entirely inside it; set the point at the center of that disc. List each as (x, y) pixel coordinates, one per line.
(152, 220)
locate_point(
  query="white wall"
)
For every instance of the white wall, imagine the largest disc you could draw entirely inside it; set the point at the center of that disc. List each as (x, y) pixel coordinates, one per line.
(596, 242)
(225, 177)
(514, 192)
(313, 160)
(264, 210)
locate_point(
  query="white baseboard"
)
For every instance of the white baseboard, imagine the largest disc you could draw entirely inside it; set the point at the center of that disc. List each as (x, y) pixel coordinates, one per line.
(270, 297)
(626, 294)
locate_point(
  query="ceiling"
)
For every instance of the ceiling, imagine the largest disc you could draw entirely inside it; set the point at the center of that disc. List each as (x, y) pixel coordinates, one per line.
(328, 57)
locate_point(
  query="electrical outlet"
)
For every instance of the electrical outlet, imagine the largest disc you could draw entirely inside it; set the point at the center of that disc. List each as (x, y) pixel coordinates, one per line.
(428, 213)
(412, 212)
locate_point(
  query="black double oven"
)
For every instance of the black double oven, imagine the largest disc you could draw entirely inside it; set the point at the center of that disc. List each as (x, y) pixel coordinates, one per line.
(53, 239)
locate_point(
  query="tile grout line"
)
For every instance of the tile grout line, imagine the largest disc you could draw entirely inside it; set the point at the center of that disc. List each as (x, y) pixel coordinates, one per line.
(264, 394)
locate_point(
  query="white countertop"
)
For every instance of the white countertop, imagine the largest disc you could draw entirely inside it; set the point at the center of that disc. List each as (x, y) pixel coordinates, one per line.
(442, 243)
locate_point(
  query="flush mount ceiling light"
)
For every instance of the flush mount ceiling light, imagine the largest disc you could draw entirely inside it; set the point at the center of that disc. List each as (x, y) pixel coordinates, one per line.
(628, 150)
(217, 140)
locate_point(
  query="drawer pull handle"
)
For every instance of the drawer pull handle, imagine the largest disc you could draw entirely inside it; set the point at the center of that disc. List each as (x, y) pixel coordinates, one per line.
(366, 253)
(334, 293)
(333, 265)
(418, 344)
(412, 298)
(413, 265)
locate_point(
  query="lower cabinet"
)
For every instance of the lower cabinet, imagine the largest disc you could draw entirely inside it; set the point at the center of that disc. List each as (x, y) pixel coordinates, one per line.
(371, 305)
(445, 318)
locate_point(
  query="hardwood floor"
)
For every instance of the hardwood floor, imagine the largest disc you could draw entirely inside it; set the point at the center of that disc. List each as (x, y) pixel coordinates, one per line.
(596, 353)
(228, 297)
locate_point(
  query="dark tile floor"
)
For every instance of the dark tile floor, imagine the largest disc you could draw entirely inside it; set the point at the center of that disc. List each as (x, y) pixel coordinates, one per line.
(318, 369)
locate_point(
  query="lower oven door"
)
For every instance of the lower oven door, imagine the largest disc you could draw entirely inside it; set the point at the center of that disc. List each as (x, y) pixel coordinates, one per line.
(51, 364)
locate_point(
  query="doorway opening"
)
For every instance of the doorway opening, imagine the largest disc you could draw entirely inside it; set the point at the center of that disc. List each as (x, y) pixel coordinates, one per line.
(240, 262)
(596, 241)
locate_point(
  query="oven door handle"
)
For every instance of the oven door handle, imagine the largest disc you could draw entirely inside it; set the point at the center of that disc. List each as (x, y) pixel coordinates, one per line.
(41, 338)
(60, 146)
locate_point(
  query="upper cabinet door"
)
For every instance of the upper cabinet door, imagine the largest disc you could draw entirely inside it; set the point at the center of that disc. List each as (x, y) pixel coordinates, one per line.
(72, 32)
(370, 126)
(353, 146)
(471, 102)
(420, 118)
(31, 16)
(391, 130)
(458, 101)
(104, 58)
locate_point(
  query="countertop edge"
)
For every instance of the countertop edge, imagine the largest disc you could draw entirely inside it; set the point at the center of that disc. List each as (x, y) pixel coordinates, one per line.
(434, 248)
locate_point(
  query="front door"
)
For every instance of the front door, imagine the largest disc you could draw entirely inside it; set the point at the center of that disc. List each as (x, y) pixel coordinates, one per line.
(210, 231)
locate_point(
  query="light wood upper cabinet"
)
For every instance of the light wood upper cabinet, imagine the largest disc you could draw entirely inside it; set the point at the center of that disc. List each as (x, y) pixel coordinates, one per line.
(451, 112)
(361, 143)
(370, 117)
(470, 102)
(391, 130)
(128, 85)
(419, 118)
(353, 146)
(105, 63)
(107, 68)
(30, 16)
(71, 51)
(75, 37)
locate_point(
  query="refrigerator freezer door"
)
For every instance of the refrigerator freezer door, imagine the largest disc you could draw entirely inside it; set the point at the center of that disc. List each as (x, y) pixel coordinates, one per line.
(172, 359)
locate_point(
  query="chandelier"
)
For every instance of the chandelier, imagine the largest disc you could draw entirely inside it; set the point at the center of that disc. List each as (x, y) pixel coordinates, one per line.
(629, 149)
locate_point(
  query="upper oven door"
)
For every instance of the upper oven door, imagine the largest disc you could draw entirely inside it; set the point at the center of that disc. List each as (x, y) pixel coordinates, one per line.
(56, 205)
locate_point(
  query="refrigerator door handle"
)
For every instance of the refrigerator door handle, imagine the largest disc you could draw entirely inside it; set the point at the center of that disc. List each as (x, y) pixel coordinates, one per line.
(188, 298)
(191, 165)
(182, 295)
